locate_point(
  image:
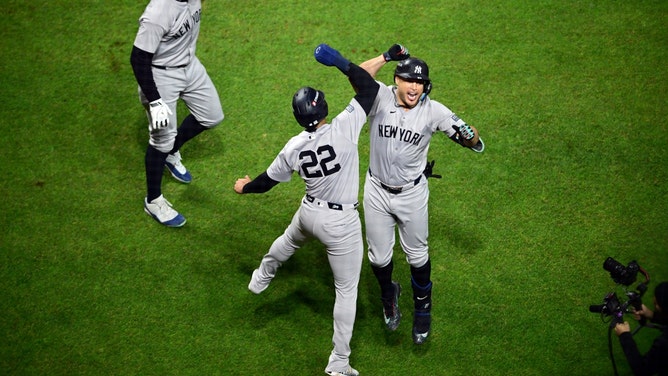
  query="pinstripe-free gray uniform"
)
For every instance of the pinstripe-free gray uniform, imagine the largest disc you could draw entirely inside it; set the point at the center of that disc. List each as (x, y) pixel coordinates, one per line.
(328, 161)
(399, 146)
(169, 30)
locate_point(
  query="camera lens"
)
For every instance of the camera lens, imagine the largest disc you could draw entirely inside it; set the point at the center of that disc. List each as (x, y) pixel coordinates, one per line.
(620, 273)
(614, 267)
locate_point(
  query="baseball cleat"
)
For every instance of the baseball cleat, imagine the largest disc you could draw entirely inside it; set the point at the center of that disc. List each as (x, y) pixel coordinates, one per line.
(257, 285)
(177, 169)
(161, 210)
(391, 312)
(348, 372)
(421, 326)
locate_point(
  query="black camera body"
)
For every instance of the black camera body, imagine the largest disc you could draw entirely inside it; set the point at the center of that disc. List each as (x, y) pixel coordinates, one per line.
(626, 276)
(612, 307)
(623, 275)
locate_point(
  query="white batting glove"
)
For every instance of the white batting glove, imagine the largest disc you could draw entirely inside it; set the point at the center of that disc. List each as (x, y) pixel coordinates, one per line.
(160, 113)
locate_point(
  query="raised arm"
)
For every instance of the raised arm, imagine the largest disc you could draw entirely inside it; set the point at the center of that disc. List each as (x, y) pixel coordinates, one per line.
(395, 53)
(365, 86)
(373, 65)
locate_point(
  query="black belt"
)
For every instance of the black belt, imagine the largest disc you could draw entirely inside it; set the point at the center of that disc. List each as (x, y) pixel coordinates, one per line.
(166, 68)
(396, 190)
(332, 205)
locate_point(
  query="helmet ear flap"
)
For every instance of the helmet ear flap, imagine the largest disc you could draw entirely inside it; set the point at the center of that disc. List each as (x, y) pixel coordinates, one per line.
(427, 90)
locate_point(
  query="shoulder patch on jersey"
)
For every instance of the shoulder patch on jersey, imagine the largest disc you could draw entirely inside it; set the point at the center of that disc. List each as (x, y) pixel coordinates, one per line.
(350, 108)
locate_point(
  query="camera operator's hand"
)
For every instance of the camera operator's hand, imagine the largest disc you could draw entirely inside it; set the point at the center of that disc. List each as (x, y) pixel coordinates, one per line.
(622, 327)
(643, 313)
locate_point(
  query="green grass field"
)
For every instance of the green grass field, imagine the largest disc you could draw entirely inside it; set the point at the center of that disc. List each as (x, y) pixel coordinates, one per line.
(569, 96)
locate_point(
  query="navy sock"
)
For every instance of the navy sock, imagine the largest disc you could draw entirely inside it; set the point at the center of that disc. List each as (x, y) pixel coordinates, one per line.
(189, 128)
(154, 162)
(384, 277)
(422, 275)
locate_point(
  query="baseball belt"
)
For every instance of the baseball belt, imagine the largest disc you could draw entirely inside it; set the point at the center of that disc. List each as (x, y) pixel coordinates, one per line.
(395, 190)
(168, 68)
(331, 205)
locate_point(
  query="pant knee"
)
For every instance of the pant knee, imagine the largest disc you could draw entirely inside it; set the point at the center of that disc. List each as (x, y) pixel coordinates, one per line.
(210, 124)
(417, 258)
(379, 260)
(162, 145)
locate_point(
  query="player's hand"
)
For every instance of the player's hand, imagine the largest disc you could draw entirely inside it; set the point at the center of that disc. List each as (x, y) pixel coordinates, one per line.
(429, 170)
(465, 132)
(160, 113)
(240, 183)
(328, 56)
(396, 53)
(467, 136)
(622, 327)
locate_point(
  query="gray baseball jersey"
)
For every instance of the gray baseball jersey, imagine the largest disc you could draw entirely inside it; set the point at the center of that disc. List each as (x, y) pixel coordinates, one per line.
(400, 139)
(396, 192)
(328, 161)
(169, 30)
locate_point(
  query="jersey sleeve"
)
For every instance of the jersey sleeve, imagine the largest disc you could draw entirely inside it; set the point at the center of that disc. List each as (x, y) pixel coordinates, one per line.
(447, 119)
(350, 121)
(281, 168)
(153, 25)
(384, 95)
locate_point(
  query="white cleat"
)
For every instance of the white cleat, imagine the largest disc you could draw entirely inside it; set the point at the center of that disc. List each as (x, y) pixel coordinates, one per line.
(161, 210)
(257, 284)
(177, 169)
(348, 372)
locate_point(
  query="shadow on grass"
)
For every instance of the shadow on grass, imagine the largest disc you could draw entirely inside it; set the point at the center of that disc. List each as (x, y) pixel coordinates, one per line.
(463, 238)
(287, 305)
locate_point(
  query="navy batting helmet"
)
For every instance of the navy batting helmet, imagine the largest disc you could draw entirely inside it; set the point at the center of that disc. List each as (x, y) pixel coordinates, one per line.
(414, 69)
(309, 107)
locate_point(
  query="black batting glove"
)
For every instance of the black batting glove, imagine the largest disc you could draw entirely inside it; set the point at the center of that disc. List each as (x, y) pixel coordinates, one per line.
(463, 133)
(429, 170)
(396, 53)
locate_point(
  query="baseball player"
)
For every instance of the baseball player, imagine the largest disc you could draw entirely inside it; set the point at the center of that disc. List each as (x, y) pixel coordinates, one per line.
(402, 121)
(166, 68)
(325, 156)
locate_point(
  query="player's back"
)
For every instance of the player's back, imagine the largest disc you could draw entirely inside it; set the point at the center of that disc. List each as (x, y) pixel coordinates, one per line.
(328, 161)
